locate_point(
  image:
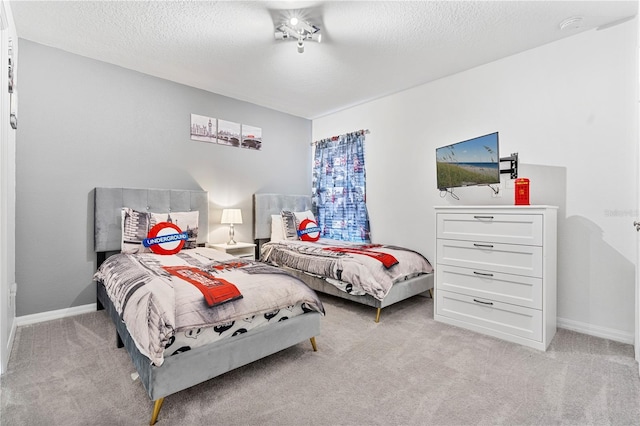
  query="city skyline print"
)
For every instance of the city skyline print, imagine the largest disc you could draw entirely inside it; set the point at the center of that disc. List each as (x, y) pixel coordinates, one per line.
(223, 132)
(228, 133)
(204, 129)
(251, 137)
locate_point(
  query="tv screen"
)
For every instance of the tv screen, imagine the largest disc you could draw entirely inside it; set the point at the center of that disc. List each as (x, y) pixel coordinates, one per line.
(472, 162)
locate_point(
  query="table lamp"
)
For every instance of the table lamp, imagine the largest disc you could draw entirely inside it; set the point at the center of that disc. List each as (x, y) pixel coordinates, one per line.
(231, 217)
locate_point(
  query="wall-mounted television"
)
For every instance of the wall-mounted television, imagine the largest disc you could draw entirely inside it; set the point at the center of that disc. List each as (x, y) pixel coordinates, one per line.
(472, 162)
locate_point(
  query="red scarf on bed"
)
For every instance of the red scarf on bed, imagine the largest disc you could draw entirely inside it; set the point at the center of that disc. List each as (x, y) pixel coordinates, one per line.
(385, 258)
(215, 290)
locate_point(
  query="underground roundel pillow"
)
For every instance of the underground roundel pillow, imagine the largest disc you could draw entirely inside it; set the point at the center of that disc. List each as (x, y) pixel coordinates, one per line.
(292, 225)
(161, 233)
(308, 230)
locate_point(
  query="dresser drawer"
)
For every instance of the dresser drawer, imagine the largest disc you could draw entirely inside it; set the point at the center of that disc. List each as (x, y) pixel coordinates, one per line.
(489, 227)
(507, 288)
(491, 315)
(506, 258)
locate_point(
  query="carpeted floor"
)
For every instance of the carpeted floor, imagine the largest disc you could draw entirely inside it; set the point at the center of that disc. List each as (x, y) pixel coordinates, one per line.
(406, 370)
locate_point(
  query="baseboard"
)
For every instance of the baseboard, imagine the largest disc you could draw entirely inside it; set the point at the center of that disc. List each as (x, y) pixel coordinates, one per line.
(52, 315)
(580, 327)
(12, 335)
(596, 331)
(5, 362)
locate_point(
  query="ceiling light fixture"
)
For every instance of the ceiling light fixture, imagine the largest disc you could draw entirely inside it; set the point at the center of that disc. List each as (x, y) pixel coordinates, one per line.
(573, 23)
(301, 31)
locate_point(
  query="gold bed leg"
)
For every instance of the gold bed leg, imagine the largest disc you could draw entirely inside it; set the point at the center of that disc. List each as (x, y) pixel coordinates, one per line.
(378, 314)
(431, 292)
(156, 410)
(313, 344)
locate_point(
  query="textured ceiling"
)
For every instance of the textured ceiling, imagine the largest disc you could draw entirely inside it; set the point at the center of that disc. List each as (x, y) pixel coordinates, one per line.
(369, 48)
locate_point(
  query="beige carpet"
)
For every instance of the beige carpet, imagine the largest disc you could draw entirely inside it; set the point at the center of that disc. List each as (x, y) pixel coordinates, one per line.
(406, 370)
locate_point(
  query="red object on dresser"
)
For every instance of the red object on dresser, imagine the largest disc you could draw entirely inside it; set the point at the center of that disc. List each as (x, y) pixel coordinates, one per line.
(522, 192)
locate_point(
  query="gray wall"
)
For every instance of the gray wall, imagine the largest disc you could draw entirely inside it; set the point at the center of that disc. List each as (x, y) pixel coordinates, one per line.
(85, 123)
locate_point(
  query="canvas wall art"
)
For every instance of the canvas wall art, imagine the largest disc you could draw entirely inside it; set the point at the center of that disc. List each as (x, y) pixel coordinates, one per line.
(251, 137)
(223, 132)
(228, 133)
(204, 129)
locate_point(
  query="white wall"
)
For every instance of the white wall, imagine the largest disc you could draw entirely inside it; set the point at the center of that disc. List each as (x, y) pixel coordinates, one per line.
(86, 123)
(570, 110)
(7, 189)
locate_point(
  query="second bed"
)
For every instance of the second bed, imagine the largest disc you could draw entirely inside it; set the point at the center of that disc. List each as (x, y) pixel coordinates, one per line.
(375, 275)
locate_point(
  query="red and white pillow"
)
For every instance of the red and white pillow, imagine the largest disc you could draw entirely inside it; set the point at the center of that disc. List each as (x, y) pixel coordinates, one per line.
(136, 226)
(295, 226)
(308, 230)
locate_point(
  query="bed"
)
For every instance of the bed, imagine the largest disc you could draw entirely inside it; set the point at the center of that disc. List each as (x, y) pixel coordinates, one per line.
(164, 364)
(268, 206)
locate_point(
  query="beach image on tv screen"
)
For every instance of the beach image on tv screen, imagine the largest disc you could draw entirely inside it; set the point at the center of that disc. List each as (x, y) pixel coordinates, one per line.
(472, 162)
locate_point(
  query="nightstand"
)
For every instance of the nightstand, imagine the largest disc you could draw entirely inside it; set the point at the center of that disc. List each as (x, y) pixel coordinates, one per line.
(242, 250)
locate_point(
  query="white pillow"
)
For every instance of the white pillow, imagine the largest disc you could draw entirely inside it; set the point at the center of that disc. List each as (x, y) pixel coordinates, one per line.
(307, 214)
(277, 234)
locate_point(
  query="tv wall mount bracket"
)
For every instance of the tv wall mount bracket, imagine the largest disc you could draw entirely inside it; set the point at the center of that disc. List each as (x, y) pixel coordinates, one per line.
(513, 165)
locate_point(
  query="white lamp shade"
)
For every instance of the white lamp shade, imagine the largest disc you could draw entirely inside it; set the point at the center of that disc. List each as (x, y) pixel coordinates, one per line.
(231, 216)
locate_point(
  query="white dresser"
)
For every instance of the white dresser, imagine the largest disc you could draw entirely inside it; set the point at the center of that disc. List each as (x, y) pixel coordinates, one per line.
(496, 271)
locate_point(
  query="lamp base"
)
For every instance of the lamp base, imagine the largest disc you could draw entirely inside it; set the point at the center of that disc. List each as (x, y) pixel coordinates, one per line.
(231, 233)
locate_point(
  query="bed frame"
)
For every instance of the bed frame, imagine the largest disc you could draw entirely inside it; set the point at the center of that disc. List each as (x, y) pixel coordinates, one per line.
(189, 368)
(265, 205)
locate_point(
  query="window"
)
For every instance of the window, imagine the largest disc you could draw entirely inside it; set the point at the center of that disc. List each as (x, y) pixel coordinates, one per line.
(339, 196)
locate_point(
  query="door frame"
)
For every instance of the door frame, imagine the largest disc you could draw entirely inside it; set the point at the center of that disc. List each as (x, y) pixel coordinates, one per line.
(637, 130)
(4, 285)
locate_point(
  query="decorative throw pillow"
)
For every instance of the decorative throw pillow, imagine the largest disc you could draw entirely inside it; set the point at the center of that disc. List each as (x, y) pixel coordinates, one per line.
(291, 222)
(186, 221)
(136, 226)
(289, 226)
(308, 230)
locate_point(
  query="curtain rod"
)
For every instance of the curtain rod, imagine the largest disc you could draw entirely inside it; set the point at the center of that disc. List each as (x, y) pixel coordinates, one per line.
(335, 138)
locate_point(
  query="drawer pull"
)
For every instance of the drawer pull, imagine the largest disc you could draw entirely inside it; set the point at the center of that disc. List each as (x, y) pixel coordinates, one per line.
(483, 274)
(483, 217)
(484, 303)
(483, 245)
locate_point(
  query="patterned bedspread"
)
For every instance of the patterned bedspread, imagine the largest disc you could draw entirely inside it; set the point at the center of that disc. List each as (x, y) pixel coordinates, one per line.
(155, 304)
(366, 269)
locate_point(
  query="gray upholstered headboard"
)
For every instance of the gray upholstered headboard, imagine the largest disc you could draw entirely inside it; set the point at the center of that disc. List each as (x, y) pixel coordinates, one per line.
(108, 203)
(264, 205)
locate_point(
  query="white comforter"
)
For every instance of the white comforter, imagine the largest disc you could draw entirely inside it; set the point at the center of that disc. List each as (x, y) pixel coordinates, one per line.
(155, 304)
(359, 265)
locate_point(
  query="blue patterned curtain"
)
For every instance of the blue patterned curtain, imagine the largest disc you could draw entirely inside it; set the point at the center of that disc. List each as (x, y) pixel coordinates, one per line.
(339, 196)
